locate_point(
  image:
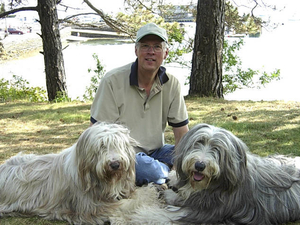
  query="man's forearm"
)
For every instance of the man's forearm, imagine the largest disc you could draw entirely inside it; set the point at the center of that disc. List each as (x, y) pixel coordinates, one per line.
(179, 132)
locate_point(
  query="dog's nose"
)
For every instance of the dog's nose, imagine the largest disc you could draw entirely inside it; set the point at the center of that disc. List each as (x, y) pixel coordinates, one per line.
(115, 165)
(200, 166)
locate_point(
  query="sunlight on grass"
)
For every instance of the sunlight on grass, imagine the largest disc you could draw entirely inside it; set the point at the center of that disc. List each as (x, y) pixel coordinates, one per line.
(265, 127)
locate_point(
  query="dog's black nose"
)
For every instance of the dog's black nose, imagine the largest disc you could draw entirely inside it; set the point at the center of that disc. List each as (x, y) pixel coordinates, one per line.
(200, 166)
(115, 165)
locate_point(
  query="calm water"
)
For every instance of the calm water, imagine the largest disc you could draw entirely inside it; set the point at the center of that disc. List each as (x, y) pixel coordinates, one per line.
(279, 49)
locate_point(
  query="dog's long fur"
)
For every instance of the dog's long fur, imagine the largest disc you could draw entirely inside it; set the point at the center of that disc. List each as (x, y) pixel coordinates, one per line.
(82, 184)
(145, 207)
(221, 182)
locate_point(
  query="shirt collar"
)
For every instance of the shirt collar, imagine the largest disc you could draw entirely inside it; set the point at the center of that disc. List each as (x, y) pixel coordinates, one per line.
(162, 75)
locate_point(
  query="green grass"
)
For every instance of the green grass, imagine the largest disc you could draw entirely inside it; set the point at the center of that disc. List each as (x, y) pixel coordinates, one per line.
(266, 128)
(40, 127)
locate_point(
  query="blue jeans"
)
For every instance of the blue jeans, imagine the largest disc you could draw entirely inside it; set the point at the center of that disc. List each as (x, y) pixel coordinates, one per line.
(153, 168)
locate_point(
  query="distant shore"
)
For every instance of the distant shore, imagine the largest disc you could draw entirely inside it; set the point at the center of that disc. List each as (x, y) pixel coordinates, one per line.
(26, 45)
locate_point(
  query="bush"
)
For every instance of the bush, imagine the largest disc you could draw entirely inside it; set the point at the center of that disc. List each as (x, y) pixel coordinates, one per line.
(95, 80)
(234, 77)
(18, 89)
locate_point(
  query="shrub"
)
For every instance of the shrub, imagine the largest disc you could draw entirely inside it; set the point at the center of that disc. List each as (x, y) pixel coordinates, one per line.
(18, 89)
(95, 80)
(234, 77)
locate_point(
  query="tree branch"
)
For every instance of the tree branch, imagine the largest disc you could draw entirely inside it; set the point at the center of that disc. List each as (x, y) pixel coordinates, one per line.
(252, 10)
(33, 8)
(68, 7)
(79, 14)
(114, 24)
(146, 7)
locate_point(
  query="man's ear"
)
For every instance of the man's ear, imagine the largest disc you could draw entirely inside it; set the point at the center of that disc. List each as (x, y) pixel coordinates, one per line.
(167, 53)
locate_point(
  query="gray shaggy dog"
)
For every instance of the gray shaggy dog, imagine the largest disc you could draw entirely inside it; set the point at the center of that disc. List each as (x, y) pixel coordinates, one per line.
(220, 182)
(83, 184)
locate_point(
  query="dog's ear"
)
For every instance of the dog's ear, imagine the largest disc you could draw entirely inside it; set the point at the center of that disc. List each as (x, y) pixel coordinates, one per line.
(85, 176)
(130, 152)
(233, 160)
(178, 159)
(85, 160)
(86, 171)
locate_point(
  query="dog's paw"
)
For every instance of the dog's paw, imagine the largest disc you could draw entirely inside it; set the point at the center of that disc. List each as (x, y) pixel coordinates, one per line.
(172, 178)
(170, 197)
(160, 188)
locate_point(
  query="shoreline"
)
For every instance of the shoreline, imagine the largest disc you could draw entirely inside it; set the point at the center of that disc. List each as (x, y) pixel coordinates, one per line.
(24, 46)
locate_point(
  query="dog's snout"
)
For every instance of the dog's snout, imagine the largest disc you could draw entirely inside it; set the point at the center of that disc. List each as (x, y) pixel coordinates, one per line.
(115, 165)
(200, 166)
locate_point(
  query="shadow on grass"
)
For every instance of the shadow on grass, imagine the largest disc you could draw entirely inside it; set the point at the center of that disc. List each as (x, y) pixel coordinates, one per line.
(266, 127)
(40, 128)
(27, 221)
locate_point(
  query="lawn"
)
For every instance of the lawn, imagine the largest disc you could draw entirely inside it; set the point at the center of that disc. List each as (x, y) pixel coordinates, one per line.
(266, 128)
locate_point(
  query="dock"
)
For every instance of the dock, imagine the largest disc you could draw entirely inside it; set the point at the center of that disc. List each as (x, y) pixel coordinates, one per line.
(85, 35)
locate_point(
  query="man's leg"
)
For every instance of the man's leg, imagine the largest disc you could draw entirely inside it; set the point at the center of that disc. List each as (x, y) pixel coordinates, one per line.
(150, 170)
(164, 154)
(154, 168)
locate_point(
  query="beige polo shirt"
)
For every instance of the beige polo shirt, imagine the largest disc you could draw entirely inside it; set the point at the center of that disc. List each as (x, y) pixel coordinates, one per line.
(119, 99)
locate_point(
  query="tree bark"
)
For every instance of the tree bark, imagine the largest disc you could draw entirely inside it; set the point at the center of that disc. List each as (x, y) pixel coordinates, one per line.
(206, 75)
(53, 57)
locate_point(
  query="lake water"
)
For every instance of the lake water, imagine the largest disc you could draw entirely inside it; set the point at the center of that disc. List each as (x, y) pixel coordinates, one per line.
(278, 49)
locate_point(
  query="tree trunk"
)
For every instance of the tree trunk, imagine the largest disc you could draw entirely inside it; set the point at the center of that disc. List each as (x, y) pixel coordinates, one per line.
(53, 58)
(206, 76)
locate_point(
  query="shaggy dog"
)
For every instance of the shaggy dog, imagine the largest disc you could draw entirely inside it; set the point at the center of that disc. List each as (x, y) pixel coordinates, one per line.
(220, 182)
(82, 185)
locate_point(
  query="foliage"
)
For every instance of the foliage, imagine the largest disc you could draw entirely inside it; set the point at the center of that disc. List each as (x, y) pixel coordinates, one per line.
(245, 24)
(158, 8)
(61, 97)
(155, 13)
(95, 80)
(234, 77)
(2, 7)
(17, 89)
(141, 16)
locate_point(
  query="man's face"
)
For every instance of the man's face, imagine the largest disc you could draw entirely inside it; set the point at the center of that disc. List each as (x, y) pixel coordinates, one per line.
(151, 51)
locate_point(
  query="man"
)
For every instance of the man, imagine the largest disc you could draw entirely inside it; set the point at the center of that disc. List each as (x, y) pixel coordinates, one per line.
(145, 98)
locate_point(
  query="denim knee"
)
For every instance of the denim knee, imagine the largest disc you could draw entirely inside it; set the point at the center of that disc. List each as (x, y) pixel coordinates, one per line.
(164, 154)
(150, 170)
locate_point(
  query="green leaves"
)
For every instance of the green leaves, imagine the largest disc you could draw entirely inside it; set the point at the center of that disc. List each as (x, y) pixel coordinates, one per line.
(234, 77)
(99, 72)
(18, 89)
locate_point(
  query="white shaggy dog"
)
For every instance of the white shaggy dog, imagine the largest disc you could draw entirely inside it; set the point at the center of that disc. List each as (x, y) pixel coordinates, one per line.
(220, 182)
(82, 185)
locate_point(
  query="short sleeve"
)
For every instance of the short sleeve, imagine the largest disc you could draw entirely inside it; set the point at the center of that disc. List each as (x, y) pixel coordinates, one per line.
(104, 106)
